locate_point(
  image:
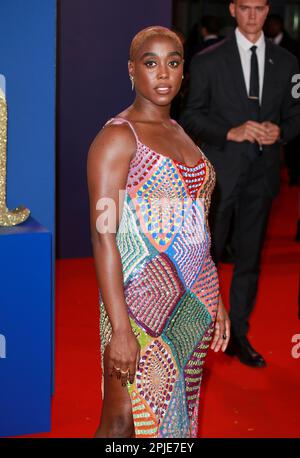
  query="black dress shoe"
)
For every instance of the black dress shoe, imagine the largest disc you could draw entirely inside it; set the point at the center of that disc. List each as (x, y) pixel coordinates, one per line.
(241, 348)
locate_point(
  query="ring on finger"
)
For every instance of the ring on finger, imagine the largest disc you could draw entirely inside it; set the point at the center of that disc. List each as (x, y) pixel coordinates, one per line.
(125, 372)
(224, 336)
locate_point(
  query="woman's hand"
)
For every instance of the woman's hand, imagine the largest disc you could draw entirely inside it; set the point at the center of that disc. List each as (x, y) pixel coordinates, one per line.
(222, 329)
(124, 356)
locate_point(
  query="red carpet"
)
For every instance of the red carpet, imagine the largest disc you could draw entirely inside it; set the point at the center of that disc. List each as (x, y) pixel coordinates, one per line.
(237, 401)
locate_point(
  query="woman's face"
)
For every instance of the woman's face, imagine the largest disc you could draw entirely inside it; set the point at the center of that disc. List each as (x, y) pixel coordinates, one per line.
(157, 70)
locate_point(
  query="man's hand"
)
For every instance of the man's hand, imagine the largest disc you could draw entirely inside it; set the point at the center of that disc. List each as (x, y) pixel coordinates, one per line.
(272, 133)
(265, 133)
(250, 131)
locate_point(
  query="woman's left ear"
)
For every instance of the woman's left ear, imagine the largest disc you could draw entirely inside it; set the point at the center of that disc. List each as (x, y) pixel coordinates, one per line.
(130, 66)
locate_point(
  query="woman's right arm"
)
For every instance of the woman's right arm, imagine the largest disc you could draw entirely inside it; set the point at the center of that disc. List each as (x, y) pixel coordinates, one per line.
(107, 171)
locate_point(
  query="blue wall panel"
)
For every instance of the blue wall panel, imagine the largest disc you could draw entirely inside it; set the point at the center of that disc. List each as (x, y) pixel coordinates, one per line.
(28, 62)
(25, 329)
(28, 52)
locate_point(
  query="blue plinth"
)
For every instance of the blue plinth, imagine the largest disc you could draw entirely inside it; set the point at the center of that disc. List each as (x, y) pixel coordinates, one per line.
(25, 329)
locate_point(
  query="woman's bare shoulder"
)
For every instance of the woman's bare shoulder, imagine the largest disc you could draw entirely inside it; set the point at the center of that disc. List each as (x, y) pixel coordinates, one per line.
(114, 139)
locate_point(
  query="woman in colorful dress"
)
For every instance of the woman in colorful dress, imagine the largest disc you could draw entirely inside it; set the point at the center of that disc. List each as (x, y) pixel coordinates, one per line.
(160, 309)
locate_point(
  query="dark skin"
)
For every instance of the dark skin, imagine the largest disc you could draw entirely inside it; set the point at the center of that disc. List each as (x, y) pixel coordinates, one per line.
(157, 70)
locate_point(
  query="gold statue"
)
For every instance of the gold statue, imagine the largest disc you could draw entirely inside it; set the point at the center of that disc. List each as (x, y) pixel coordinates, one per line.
(19, 214)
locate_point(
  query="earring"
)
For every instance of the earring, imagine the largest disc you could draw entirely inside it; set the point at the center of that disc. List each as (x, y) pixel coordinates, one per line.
(183, 77)
(132, 82)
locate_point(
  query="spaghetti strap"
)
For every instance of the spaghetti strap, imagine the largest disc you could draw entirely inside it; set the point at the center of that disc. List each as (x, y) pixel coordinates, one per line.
(120, 120)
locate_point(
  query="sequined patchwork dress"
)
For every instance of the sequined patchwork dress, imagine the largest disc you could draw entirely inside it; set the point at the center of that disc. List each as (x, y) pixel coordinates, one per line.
(171, 288)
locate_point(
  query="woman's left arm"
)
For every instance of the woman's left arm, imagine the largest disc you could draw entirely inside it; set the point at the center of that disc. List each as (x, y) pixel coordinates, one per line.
(222, 328)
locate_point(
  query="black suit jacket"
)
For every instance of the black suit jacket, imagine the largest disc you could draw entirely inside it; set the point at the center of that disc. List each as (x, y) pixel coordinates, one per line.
(218, 101)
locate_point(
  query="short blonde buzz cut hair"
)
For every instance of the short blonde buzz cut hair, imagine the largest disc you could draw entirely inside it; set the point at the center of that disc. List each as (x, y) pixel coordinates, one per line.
(153, 31)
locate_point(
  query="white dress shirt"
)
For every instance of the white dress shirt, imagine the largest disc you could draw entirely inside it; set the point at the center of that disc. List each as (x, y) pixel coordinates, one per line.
(244, 46)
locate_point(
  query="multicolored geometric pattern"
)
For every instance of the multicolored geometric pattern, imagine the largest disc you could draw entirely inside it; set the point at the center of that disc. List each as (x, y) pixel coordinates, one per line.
(176, 423)
(193, 176)
(156, 377)
(170, 285)
(145, 421)
(152, 294)
(193, 371)
(158, 199)
(189, 248)
(130, 243)
(189, 322)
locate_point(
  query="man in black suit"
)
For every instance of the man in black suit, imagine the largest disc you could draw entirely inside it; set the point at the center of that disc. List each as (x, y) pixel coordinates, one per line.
(241, 107)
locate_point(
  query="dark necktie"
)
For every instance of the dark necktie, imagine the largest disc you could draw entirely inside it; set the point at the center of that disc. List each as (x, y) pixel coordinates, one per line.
(254, 97)
(254, 76)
